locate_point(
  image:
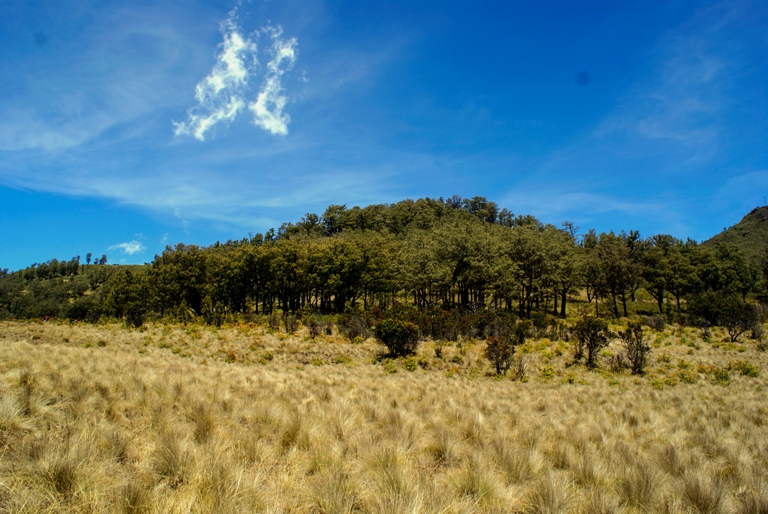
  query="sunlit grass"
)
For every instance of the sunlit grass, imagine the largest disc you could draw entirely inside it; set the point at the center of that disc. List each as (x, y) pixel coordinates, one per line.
(323, 425)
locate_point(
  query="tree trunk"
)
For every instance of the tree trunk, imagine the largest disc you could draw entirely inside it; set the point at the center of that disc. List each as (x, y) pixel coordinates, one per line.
(562, 303)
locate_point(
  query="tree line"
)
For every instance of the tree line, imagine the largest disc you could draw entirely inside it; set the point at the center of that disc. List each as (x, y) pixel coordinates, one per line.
(449, 255)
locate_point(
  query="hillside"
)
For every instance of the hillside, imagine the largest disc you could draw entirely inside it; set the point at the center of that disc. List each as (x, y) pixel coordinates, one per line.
(454, 256)
(750, 235)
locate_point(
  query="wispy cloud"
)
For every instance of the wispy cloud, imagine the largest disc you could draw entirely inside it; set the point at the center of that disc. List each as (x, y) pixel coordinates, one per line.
(221, 95)
(270, 102)
(129, 248)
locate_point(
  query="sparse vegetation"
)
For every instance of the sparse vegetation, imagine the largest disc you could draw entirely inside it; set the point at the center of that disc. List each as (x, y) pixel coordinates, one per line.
(134, 427)
(635, 347)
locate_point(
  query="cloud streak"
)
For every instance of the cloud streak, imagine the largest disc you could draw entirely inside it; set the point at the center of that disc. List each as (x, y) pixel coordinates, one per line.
(270, 102)
(129, 248)
(221, 95)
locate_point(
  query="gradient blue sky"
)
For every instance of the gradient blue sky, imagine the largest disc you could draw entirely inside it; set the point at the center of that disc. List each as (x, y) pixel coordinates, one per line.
(614, 115)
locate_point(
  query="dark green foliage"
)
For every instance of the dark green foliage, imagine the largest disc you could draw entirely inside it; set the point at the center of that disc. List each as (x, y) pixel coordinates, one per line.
(83, 309)
(591, 335)
(657, 323)
(127, 296)
(522, 331)
(400, 337)
(728, 311)
(504, 336)
(455, 267)
(635, 347)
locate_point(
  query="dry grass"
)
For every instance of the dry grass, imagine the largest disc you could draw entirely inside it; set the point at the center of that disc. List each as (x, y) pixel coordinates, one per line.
(190, 419)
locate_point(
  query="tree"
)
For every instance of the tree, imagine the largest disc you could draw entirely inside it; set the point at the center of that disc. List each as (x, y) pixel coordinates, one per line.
(400, 337)
(103, 259)
(334, 218)
(88, 257)
(728, 311)
(127, 297)
(637, 350)
(656, 269)
(620, 273)
(592, 335)
(737, 317)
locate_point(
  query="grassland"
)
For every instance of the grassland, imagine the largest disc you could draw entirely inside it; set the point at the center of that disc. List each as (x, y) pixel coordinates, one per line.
(101, 418)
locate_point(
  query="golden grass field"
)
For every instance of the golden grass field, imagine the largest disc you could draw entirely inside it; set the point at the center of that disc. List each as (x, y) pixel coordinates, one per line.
(101, 418)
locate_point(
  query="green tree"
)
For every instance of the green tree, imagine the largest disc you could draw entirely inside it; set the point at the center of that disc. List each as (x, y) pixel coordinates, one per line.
(400, 337)
(592, 335)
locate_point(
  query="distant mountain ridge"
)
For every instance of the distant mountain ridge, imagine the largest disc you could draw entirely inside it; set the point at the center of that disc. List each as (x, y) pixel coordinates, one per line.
(750, 235)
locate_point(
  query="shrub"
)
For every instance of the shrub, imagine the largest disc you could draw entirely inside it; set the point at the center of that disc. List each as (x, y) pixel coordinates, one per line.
(721, 376)
(274, 321)
(400, 337)
(522, 331)
(353, 327)
(657, 323)
(520, 366)
(343, 359)
(592, 335)
(499, 352)
(637, 350)
(135, 314)
(746, 369)
(319, 325)
(291, 323)
(439, 344)
(547, 372)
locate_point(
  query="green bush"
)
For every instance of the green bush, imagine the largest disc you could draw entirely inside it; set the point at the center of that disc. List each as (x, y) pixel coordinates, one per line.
(400, 337)
(746, 369)
(721, 376)
(592, 335)
(83, 309)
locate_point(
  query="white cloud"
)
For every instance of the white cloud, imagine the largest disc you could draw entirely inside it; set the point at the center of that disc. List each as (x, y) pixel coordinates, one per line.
(129, 248)
(270, 102)
(220, 95)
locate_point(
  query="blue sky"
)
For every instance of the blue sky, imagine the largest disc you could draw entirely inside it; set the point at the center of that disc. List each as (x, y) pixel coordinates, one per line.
(126, 126)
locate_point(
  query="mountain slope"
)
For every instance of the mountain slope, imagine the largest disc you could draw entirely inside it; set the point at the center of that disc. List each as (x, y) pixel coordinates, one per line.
(750, 235)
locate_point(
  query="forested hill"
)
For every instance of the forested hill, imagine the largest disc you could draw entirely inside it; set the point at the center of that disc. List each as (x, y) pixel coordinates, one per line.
(750, 235)
(456, 255)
